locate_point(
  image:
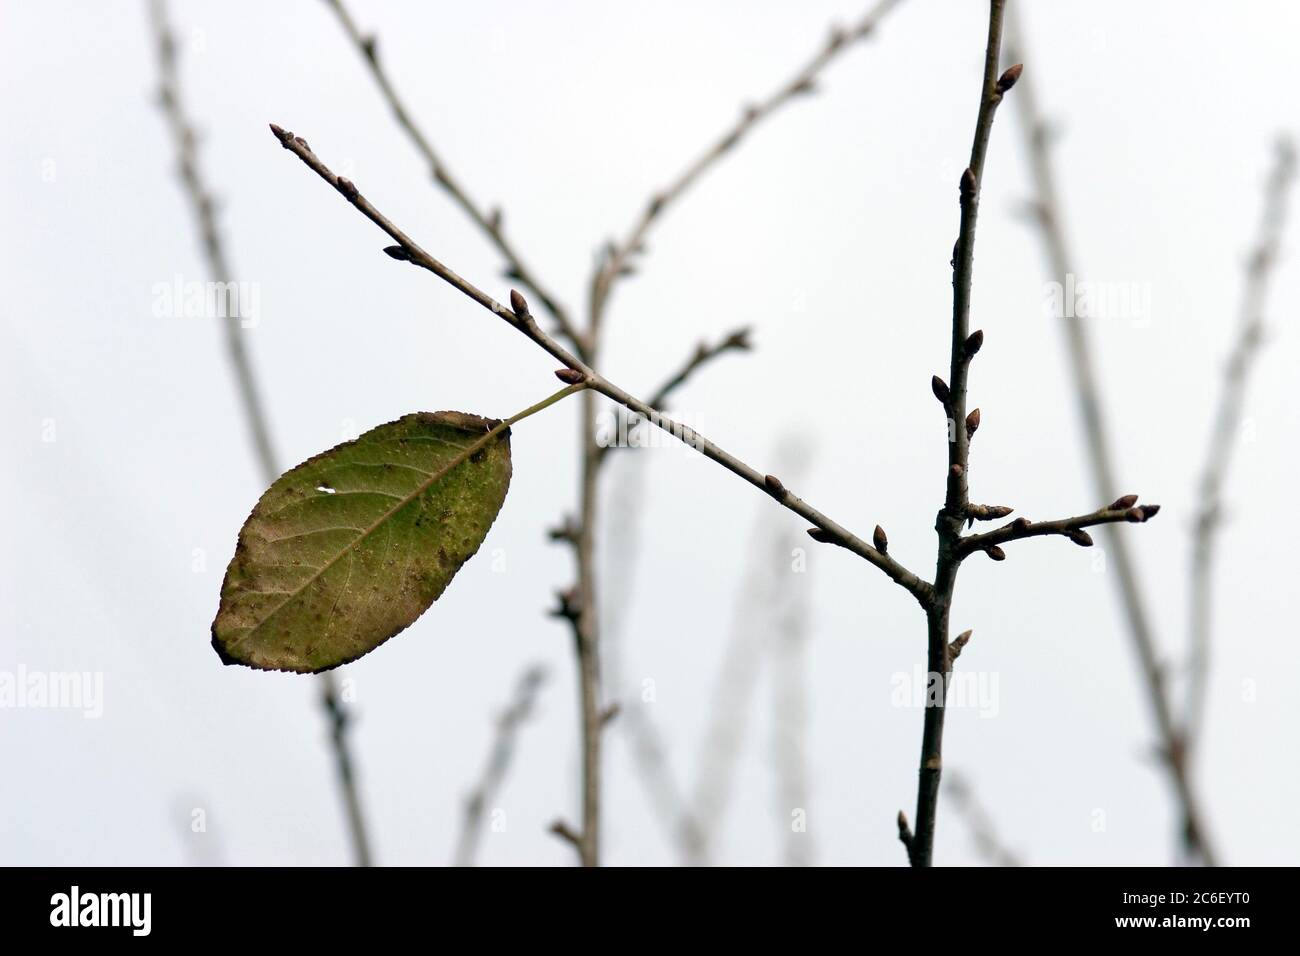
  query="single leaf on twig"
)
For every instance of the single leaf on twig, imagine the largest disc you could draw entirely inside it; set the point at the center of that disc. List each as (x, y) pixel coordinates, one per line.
(350, 547)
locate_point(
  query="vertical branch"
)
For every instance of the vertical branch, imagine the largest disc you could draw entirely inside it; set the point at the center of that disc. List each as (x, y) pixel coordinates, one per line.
(246, 385)
(1224, 438)
(499, 757)
(1047, 210)
(955, 511)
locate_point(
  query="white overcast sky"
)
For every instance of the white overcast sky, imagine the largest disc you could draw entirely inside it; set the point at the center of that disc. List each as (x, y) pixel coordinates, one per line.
(829, 232)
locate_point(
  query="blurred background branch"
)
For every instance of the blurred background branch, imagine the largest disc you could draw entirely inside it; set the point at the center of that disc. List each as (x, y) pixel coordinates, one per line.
(1047, 214)
(508, 726)
(1224, 437)
(203, 206)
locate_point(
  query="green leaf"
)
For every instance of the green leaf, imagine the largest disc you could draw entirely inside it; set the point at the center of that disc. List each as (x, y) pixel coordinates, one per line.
(352, 546)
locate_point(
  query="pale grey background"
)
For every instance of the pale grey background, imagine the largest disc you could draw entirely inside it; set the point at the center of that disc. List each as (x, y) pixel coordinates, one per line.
(830, 231)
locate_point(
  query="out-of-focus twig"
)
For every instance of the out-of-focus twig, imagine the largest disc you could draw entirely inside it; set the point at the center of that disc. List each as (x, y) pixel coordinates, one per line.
(962, 797)
(1224, 438)
(770, 621)
(498, 762)
(615, 260)
(1048, 211)
(204, 208)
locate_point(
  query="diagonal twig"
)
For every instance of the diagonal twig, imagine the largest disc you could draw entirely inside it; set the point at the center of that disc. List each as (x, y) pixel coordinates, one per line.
(520, 319)
(1223, 437)
(498, 762)
(615, 260)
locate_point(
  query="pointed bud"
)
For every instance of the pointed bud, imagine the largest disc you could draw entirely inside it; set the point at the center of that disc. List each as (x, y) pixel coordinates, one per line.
(974, 342)
(348, 190)
(940, 389)
(1008, 79)
(958, 642)
(1135, 515)
(774, 486)
(996, 553)
(397, 252)
(570, 376)
(518, 303)
(1148, 511)
(1021, 523)
(988, 512)
(967, 186)
(880, 540)
(1079, 537)
(972, 422)
(817, 534)
(1123, 504)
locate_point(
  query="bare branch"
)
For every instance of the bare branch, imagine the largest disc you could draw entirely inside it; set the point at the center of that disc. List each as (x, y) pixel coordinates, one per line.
(957, 509)
(489, 221)
(204, 208)
(499, 757)
(1223, 437)
(1061, 262)
(615, 258)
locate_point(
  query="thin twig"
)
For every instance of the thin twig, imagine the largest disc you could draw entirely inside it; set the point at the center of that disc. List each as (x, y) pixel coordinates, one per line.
(204, 208)
(1047, 210)
(489, 221)
(1224, 438)
(498, 762)
(736, 341)
(956, 511)
(615, 260)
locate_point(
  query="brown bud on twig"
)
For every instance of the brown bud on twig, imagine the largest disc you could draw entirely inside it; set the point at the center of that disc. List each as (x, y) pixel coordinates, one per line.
(940, 389)
(1148, 511)
(1080, 537)
(956, 471)
(904, 831)
(1021, 523)
(996, 553)
(967, 187)
(609, 713)
(972, 422)
(1123, 504)
(988, 512)
(349, 191)
(958, 642)
(1135, 515)
(570, 376)
(774, 487)
(397, 252)
(974, 342)
(1008, 79)
(817, 534)
(518, 303)
(880, 540)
